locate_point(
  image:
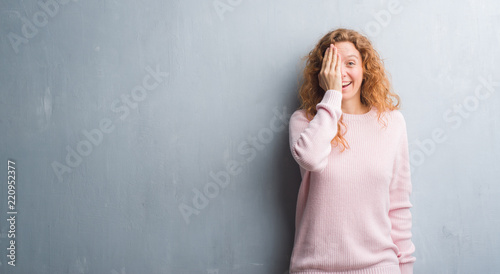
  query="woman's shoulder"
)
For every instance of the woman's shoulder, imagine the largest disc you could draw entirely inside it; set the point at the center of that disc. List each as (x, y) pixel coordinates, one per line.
(300, 114)
(393, 118)
(396, 120)
(299, 111)
(395, 115)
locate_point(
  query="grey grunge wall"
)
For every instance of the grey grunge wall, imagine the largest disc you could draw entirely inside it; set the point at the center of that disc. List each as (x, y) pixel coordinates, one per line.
(152, 136)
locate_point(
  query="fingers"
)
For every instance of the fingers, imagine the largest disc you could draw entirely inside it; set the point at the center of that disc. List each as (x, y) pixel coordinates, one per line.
(326, 59)
(329, 75)
(330, 58)
(338, 65)
(335, 54)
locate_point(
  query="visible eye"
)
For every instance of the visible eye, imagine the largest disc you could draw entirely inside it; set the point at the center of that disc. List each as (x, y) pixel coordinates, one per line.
(351, 63)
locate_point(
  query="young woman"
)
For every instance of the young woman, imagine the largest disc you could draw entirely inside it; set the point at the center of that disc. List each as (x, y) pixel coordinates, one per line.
(350, 141)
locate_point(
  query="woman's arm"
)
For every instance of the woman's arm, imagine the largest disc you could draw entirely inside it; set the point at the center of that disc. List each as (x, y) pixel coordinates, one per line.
(400, 205)
(310, 141)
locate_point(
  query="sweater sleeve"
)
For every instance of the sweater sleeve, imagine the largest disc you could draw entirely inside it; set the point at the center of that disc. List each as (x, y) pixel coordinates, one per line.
(310, 140)
(399, 211)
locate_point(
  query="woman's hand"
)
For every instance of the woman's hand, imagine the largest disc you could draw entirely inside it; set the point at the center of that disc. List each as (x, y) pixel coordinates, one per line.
(330, 75)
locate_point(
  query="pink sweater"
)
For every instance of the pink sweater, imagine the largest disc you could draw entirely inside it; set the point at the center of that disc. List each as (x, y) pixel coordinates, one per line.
(353, 208)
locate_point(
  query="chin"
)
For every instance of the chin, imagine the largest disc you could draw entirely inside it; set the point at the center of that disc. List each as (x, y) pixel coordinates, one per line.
(348, 94)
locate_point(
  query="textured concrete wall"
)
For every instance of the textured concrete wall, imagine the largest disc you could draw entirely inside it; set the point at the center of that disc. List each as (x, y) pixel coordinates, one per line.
(152, 136)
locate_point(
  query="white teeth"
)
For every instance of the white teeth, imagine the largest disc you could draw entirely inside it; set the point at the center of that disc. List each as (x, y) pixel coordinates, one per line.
(345, 83)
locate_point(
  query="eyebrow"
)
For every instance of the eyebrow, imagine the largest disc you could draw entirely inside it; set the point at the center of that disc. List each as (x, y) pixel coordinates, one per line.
(353, 56)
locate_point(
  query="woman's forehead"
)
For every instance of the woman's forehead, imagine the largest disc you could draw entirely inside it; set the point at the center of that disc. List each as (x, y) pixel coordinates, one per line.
(348, 49)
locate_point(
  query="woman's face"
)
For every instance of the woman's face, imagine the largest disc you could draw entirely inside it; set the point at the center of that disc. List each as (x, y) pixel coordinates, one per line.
(352, 69)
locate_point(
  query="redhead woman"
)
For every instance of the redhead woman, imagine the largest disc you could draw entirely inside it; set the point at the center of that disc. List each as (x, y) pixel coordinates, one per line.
(350, 142)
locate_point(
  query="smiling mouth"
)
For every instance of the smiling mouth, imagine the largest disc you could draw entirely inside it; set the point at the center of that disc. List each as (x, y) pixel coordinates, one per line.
(344, 85)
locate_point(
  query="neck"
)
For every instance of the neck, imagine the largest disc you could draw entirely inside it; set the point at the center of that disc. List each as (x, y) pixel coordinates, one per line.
(355, 107)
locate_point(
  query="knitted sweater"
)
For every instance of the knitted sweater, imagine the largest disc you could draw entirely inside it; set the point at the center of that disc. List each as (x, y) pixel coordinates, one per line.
(353, 208)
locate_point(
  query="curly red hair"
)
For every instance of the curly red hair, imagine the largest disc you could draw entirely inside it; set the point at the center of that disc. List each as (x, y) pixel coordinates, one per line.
(376, 89)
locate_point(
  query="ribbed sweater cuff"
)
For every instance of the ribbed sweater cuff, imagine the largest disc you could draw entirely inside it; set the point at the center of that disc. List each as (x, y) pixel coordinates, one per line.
(333, 98)
(406, 268)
